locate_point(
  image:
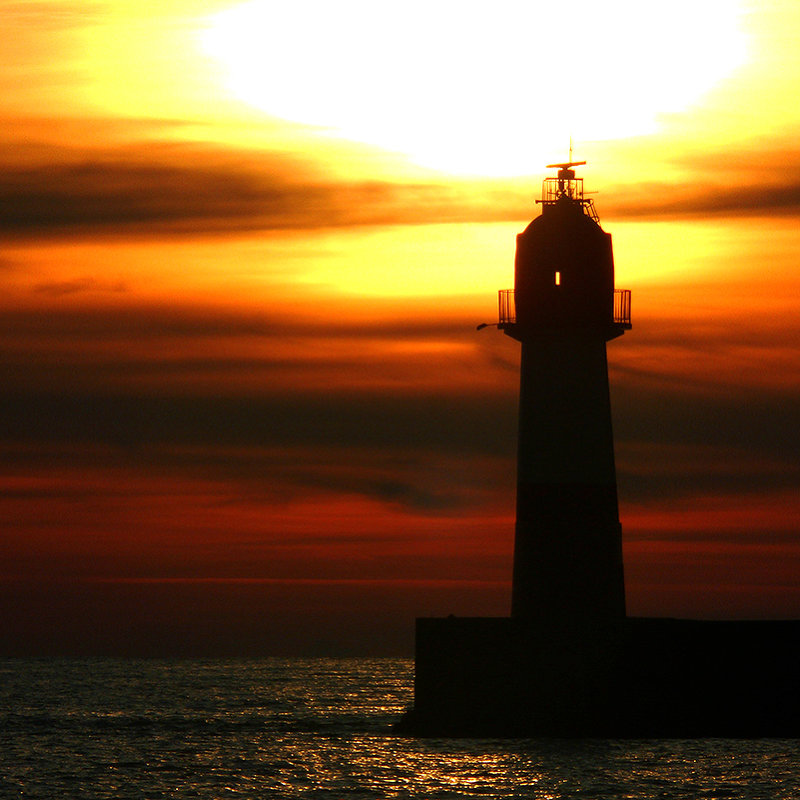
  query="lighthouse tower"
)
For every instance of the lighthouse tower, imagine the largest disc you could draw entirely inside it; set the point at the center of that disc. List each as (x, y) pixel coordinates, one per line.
(568, 661)
(563, 309)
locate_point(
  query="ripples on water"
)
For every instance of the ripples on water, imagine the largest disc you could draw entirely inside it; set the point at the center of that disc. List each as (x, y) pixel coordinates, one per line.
(319, 728)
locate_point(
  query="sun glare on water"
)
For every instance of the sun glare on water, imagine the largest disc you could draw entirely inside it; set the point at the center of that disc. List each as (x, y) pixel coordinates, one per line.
(484, 88)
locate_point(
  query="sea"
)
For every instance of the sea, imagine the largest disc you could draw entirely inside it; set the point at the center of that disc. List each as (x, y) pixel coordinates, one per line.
(321, 728)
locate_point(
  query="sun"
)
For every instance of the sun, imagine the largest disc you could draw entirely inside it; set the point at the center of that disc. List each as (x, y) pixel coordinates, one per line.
(475, 87)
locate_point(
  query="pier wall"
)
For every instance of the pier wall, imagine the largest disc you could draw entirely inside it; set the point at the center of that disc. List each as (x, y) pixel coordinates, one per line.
(639, 677)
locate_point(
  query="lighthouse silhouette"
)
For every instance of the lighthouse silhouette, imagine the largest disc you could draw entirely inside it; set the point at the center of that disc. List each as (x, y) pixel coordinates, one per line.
(568, 661)
(563, 309)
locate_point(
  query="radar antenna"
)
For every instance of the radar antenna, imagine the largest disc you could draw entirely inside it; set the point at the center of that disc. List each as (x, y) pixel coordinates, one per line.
(566, 185)
(566, 165)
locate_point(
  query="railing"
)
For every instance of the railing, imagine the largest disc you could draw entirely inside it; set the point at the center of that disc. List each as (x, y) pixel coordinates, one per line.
(622, 307)
(508, 310)
(553, 189)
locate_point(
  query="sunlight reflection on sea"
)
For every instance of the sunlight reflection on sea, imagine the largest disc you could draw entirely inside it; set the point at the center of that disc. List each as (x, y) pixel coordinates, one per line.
(320, 728)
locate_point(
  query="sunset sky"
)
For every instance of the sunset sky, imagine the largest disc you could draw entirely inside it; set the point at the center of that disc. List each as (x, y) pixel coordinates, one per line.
(246, 245)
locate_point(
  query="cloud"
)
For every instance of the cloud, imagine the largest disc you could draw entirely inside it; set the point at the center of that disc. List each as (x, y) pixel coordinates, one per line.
(758, 178)
(79, 286)
(145, 322)
(337, 419)
(711, 414)
(707, 412)
(49, 14)
(152, 188)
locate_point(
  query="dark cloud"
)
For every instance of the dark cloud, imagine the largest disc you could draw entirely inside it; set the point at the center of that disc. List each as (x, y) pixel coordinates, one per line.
(182, 188)
(454, 424)
(709, 429)
(761, 178)
(131, 482)
(146, 322)
(79, 286)
(152, 188)
(105, 391)
(705, 412)
(760, 198)
(675, 441)
(670, 444)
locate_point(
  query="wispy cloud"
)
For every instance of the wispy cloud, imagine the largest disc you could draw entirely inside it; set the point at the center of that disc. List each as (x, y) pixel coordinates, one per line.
(79, 286)
(759, 179)
(189, 189)
(689, 417)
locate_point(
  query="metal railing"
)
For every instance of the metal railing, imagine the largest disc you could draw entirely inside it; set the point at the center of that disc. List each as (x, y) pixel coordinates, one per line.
(553, 189)
(508, 311)
(622, 307)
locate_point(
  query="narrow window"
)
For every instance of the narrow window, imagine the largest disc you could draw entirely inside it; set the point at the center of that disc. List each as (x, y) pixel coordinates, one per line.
(558, 279)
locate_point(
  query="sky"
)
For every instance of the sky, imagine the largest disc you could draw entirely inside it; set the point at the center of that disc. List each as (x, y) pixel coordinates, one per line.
(245, 409)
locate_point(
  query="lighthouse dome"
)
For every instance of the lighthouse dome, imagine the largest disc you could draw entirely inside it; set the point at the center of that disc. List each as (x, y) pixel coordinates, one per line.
(564, 270)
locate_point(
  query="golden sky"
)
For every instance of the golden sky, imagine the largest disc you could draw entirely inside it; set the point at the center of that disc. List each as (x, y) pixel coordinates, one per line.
(245, 249)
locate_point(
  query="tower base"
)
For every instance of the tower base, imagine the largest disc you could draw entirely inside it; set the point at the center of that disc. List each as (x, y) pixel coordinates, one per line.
(506, 677)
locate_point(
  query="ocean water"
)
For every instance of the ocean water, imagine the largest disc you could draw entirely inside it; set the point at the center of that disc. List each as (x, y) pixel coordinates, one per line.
(320, 728)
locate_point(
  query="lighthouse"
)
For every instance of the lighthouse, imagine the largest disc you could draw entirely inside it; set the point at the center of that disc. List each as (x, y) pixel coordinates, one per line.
(568, 661)
(563, 310)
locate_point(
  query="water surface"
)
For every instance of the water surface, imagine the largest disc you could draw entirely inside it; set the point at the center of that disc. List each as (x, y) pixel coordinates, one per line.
(320, 728)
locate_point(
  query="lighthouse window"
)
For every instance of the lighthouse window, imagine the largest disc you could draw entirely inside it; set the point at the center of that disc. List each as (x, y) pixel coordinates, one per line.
(558, 279)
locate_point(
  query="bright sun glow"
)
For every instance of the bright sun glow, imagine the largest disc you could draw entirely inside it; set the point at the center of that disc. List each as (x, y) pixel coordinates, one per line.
(473, 87)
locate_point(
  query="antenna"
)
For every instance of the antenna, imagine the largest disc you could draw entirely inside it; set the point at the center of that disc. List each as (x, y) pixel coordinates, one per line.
(566, 165)
(566, 185)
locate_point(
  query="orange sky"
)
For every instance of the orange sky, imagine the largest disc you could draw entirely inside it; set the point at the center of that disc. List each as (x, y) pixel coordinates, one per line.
(245, 249)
